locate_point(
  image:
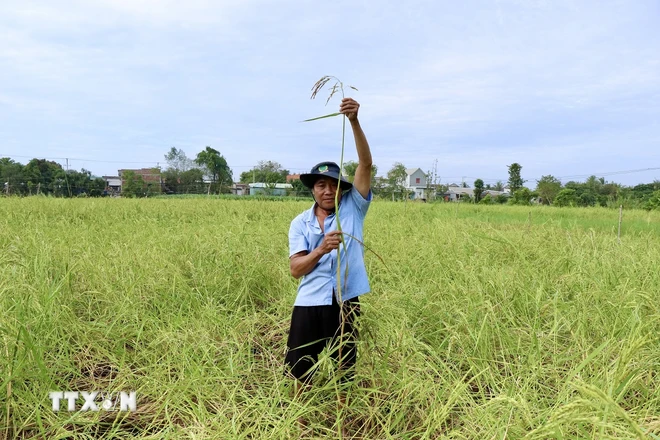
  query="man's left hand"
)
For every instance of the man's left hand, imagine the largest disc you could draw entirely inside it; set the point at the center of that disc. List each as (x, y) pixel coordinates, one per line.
(349, 107)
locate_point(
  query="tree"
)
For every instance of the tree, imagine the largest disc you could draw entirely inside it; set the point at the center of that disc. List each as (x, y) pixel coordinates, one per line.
(350, 168)
(499, 186)
(46, 177)
(181, 176)
(566, 197)
(78, 181)
(192, 181)
(40, 176)
(299, 189)
(594, 183)
(487, 200)
(265, 172)
(515, 181)
(432, 181)
(133, 185)
(501, 199)
(172, 181)
(81, 183)
(587, 198)
(478, 190)
(521, 197)
(12, 179)
(178, 161)
(547, 188)
(396, 178)
(380, 187)
(184, 182)
(610, 192)
(97, 187)
(215, 166)
(374, 170)
(653, 202)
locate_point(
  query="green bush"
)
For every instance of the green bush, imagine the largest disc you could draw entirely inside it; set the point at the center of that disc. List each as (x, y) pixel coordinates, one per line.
(488, 200)
(566, 197)
(521, 197)
(653, 202)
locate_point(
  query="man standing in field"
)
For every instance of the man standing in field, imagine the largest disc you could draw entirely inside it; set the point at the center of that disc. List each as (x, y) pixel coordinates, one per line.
(319, 317)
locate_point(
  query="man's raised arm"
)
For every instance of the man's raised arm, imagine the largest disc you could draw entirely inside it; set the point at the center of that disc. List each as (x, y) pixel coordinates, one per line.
(362, 180)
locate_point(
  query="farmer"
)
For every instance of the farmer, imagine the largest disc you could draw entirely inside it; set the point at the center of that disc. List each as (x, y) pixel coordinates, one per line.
(320, 318)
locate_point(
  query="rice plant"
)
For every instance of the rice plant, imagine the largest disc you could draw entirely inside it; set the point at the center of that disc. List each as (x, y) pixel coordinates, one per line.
(487, 322)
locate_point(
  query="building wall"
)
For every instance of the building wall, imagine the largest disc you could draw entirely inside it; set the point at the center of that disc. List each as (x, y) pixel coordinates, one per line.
(272, 191)
(149, 175)
(411, 181)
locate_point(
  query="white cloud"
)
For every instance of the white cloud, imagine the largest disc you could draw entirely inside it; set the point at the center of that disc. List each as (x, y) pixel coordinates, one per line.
(477, 83)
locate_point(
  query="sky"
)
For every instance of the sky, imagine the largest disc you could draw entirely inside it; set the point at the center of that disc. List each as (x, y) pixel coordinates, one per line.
(567, 88)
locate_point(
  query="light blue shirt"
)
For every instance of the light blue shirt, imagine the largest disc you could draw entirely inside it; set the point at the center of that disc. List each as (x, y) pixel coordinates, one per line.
(305, 234)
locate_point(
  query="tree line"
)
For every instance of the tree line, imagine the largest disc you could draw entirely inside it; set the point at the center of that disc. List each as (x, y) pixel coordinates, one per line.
(41, 176)
(594, 191)
(209, 173)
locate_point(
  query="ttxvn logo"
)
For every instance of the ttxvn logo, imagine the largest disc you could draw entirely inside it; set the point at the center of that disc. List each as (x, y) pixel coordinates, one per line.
(95, 400)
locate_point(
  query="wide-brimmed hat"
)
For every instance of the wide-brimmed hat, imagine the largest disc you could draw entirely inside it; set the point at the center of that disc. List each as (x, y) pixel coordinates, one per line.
(325, 169)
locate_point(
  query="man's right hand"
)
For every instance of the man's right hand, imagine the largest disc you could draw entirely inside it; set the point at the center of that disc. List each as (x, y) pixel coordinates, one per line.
(330, 242)
(303, 263)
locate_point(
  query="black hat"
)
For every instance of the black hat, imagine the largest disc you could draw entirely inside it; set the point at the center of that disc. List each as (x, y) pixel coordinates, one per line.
(325, 169)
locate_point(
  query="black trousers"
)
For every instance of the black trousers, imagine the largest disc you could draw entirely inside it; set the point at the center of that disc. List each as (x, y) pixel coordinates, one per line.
(315, 327)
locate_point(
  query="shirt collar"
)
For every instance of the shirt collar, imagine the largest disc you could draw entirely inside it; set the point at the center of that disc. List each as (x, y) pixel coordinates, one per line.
(309, 214)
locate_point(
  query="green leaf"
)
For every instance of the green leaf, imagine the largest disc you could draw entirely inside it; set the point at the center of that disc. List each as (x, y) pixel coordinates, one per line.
(321, 117)
(589, 358)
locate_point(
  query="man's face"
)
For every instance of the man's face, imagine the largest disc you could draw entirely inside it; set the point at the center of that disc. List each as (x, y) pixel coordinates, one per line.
(324, 192)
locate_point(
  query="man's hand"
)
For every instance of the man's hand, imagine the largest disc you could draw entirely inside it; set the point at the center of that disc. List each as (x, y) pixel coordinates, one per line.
(330, 242)
(349, 107)
(303, 263)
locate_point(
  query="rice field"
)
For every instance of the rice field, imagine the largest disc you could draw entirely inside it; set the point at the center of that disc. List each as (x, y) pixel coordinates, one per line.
(484, 322)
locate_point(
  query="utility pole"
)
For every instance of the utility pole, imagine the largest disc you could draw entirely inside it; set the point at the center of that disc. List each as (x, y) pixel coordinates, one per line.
(66, 177)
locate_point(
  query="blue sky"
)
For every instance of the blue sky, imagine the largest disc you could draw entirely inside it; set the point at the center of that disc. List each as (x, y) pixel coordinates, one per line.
(568, 88)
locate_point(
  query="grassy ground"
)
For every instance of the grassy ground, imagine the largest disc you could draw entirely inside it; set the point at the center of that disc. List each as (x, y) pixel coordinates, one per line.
(485, 322)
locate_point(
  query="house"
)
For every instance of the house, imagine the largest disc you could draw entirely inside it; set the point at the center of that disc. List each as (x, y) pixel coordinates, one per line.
(271, 189)
(416, 182)
(240, 189)
(291, 177)
(150, 176)
(112, 185)
(455, 193)
(494, 193)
